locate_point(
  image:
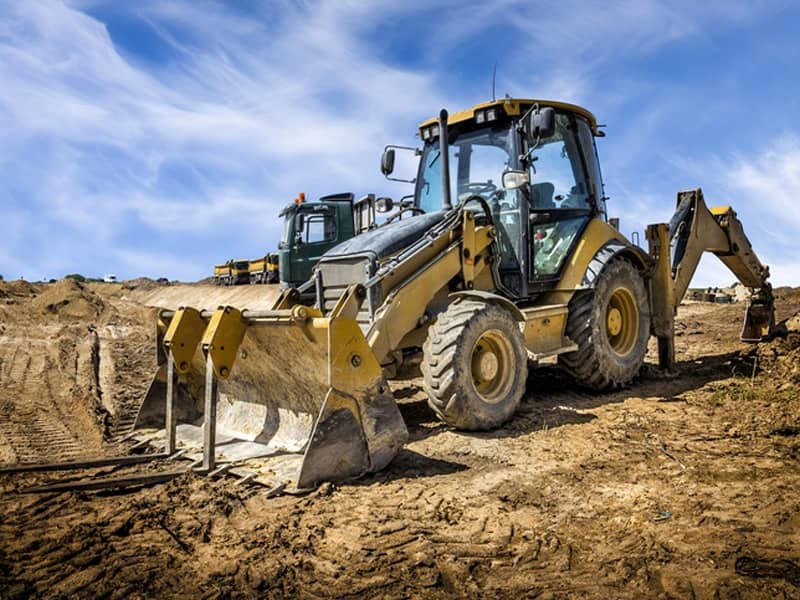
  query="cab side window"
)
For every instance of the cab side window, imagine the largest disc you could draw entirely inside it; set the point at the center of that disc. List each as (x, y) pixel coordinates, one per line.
(318, 227)
(557, 178)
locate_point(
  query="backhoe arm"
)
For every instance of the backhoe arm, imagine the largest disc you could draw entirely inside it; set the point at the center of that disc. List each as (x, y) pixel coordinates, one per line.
(695, 229)
(677, 249)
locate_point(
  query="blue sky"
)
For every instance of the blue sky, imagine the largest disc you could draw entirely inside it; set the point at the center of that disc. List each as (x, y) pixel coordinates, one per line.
(156, 138)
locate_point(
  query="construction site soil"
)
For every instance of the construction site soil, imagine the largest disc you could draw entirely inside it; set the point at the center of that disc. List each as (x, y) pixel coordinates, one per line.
(679, 486)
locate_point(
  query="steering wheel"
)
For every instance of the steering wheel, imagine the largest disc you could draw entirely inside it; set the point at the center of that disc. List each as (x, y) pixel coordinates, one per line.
(480, 189)
(396, 215)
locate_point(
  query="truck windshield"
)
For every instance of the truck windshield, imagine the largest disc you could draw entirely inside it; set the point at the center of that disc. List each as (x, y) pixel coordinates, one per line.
(288, 230)
(477, 162)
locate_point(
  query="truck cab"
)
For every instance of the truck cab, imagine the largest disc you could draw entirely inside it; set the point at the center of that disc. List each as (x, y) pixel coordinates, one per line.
(309, 230)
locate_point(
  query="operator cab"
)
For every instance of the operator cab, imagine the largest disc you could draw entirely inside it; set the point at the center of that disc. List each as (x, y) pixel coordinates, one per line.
(545, 154)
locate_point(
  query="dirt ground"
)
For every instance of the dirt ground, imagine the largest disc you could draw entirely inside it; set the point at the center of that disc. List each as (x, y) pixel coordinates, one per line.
(677, 487)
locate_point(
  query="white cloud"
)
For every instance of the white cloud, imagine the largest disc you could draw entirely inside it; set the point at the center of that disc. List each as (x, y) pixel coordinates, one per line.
(258, 112)
(771, 179)
(762, 186)
(254, 108)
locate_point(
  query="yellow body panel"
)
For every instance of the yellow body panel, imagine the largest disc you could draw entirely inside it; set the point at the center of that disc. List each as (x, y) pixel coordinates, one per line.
(544, 330)
(256, 266)
(475, 241)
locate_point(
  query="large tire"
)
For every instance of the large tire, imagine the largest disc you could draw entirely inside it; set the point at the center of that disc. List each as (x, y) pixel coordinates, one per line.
(474, 365)
(611, 326)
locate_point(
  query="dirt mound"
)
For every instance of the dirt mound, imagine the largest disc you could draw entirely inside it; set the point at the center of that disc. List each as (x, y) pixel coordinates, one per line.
(143, 283)
(16, 289)
(68, 298)
(780, 356)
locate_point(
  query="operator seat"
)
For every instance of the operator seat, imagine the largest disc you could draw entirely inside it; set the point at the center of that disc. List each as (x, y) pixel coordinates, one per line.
(543, 196)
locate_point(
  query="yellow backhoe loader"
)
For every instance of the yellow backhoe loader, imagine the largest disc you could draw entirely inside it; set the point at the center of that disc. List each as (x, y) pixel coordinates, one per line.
(508, 259)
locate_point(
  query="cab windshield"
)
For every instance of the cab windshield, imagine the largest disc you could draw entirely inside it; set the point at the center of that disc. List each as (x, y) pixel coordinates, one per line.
(477, 162)
(287, 238)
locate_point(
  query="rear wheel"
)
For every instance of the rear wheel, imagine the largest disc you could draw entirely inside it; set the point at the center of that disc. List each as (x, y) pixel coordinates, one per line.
(474, 365)
(611, 326)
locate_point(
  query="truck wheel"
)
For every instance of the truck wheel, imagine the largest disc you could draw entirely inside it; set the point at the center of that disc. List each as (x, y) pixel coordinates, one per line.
(474, 365)
(611, 326)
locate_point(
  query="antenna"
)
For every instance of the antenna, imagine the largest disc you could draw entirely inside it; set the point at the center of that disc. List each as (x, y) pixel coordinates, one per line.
(494, 79)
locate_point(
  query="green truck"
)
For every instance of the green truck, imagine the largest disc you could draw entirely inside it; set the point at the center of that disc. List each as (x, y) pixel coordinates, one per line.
(309, 230)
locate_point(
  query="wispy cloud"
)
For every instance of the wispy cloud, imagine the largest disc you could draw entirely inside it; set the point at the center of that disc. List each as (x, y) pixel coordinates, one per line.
(157, 137)
(248, 112)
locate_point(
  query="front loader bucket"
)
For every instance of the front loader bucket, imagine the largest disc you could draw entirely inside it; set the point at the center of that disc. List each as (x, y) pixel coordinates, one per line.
(301, 399)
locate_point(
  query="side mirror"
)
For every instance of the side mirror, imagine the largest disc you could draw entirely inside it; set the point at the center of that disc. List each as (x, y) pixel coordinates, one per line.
(384, 205)
(387, 162)
(513, 180)
(542, 123)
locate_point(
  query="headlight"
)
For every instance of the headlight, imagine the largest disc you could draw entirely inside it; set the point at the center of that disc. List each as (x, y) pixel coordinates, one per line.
(480, 117)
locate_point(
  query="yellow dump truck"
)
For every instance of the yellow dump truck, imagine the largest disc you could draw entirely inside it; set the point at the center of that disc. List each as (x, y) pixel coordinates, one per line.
(264, 269)
(232, 272)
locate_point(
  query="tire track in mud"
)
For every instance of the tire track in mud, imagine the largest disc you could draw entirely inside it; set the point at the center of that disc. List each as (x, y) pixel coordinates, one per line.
(125, 363)
(35, 425)
(427, 540)
(33, 438)
(66, 386)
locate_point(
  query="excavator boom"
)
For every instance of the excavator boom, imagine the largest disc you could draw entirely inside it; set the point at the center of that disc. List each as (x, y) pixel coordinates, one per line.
(677, 249)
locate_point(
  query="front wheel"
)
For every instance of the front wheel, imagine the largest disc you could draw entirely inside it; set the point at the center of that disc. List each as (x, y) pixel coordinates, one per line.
(474, 365)
(611, 326)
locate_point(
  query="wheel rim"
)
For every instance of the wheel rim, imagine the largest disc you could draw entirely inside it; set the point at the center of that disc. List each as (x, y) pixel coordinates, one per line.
(492, 366)
(622, 321)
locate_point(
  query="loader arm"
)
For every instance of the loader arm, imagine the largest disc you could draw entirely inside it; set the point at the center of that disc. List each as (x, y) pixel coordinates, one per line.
(677, 249)
(421, 272)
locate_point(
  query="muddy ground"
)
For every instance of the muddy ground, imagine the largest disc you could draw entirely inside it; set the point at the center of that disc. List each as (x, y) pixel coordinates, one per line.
(677, 487)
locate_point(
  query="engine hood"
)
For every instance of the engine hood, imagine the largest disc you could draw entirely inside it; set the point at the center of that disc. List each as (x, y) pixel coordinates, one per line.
(386, 240)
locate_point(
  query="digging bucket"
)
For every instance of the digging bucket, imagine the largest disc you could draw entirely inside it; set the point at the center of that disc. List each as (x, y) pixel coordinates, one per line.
(759, 321)
(300, 398)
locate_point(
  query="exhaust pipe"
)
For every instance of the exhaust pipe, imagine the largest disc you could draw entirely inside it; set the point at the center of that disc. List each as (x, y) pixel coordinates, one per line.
(444, 156)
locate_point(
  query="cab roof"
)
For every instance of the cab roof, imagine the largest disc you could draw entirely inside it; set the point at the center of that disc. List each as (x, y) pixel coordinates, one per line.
(516, 107)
